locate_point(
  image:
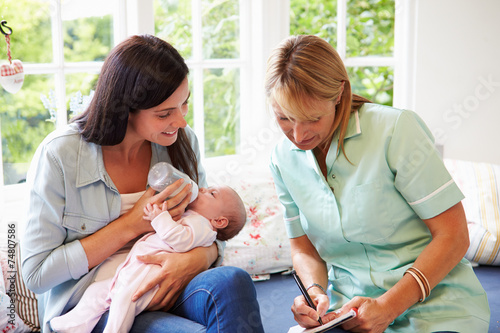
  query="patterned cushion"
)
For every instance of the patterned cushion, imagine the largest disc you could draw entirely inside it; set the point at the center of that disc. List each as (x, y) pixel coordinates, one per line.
(480, 183)
(26, 302)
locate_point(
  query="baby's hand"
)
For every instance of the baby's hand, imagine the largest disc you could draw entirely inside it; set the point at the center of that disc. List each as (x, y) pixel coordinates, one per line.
(153, 210)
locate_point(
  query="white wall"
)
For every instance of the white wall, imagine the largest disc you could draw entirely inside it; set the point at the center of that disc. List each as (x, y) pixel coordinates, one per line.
(457, 76)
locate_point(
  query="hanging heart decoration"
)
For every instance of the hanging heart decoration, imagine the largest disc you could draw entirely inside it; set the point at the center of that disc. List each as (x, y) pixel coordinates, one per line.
(12, 76)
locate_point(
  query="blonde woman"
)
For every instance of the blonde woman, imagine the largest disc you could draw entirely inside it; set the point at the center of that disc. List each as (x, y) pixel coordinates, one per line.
(374, 218)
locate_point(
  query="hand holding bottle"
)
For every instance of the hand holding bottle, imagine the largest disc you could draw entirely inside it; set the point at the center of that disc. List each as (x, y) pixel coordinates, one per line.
(163, 174)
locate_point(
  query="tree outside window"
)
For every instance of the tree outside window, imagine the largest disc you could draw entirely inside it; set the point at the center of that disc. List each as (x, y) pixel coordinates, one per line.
(369, 38)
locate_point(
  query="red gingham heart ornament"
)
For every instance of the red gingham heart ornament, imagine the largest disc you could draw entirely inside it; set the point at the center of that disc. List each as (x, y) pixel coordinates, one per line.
(12, 76)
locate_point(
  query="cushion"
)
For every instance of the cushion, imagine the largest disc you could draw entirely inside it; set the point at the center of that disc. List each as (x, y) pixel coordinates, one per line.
(26, 303)
(25, 318)
(262, 247)
(480, 183)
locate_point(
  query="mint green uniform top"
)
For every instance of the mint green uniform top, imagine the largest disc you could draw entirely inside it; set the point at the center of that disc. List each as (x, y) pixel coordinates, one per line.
(365, 218)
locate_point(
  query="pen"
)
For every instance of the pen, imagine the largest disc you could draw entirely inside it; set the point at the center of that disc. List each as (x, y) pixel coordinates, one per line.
(305, 293)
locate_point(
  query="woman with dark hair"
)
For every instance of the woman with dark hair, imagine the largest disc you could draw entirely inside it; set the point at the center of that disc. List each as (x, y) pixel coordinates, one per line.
(88, 189)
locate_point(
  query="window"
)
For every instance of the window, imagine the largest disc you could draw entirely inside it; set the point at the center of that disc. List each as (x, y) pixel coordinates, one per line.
(362, 32)
(210, 35)
(62, 46)
(63, 43)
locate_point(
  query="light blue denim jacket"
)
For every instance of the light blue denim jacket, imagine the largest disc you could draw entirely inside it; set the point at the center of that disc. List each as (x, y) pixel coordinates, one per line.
(70, 197)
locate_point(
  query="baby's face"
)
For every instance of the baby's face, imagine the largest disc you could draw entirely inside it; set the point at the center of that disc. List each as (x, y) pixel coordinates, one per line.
(212, 201)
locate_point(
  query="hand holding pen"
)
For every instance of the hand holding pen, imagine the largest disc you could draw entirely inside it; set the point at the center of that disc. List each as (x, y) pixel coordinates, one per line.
(305, 293)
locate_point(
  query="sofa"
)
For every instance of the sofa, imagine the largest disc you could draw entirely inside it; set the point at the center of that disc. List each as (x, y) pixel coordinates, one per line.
(263, 250)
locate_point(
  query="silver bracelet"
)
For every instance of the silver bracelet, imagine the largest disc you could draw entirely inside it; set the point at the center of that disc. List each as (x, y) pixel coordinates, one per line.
(317, 285)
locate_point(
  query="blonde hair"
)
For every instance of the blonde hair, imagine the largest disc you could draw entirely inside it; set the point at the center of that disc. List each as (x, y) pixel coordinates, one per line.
(306, 67)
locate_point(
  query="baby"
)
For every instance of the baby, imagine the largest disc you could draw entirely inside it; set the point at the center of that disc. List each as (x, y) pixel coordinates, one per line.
(217, 212)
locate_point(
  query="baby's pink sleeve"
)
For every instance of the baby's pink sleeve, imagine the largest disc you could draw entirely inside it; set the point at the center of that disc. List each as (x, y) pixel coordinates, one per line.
(187, 233)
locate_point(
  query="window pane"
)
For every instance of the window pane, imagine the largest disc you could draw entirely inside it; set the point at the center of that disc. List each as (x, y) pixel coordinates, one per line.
(314, 17)
(221, 29)
(31, 40)
(222, 109)
(78, 89)
(88, 30)
(370, 28)
(173, 24)
(374, 83)
(24, 123)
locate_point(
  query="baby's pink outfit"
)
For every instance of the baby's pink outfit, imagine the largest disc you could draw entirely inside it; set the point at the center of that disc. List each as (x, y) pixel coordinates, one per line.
(192, 230)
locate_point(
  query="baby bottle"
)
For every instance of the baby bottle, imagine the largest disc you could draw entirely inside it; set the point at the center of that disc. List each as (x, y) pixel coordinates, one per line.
(163, 174)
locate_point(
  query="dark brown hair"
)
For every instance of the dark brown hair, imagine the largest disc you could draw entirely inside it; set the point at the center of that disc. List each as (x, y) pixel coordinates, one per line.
(139, 73)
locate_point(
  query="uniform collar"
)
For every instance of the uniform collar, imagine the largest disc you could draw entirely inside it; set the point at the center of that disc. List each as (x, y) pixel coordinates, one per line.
(354, 126)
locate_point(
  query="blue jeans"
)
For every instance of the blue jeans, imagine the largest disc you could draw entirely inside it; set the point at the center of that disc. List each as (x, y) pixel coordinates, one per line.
(221, 299)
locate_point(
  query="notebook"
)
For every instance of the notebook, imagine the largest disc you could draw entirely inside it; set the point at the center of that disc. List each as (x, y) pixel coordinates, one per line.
(323, 328)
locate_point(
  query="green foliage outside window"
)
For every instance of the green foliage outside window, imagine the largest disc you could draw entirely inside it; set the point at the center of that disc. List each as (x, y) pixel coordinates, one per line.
(220, 29)
(314, 17)
(222, 105)
(88, 39)
(369, 32)
(173, 24)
